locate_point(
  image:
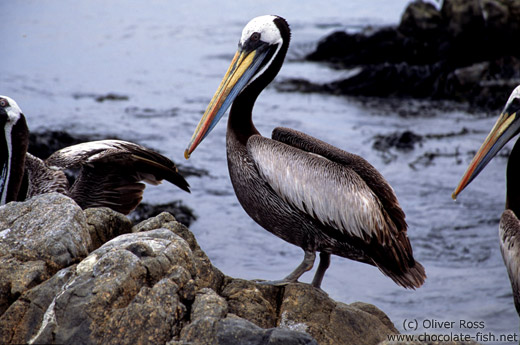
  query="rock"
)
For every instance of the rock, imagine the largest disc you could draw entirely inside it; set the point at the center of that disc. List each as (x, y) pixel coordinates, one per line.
(237, 331)
(104, 224)
(463, 18)
(207, 275)
(102, 97)
(402, 141)
(151, 284)
(35, 243)
(306, 308)
(420, 19)
(43, 144)
(463, 52)
(106, 296)
(252, 301)
(182, 213)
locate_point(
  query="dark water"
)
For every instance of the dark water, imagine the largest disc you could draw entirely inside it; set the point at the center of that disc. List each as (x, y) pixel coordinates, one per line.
(168, 58)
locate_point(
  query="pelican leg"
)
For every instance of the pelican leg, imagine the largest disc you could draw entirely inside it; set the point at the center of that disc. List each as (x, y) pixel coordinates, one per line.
(306, 265)
(322, 267)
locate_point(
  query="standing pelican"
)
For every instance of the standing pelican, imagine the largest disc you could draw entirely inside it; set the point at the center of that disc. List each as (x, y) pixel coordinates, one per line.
(506, 127)
(110, 170)
(303, 190)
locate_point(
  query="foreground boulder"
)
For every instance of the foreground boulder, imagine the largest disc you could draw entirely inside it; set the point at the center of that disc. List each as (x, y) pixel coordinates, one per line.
(88, 277)
(35, 244)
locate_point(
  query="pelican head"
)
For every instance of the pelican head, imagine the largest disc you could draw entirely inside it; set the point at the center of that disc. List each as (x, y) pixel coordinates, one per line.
(506, 127)
(14, 138)
(260, 45)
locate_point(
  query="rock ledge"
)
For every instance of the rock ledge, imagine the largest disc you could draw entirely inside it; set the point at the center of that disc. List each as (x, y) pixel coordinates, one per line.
(90, 277)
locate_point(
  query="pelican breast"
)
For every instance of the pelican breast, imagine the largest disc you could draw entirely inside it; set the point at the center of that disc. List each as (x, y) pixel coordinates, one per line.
(509, 235)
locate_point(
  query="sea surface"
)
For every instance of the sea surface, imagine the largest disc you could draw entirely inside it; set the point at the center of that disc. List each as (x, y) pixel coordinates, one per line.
(168, 57)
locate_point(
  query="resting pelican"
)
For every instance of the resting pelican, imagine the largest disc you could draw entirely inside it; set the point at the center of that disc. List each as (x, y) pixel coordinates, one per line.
(303, 190)
(506, 127)
(110, 170)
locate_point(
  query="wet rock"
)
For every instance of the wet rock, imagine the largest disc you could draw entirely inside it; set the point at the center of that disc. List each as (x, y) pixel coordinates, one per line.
(101, 97)
(420, 19)
(463, 18)
(43, 144)
(35, 243)
(462, 52)
(182, 213)
(400, 140)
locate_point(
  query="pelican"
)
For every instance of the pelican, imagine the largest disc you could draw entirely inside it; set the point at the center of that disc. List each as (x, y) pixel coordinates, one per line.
(110, 171)
(506, 127)
(301, 189)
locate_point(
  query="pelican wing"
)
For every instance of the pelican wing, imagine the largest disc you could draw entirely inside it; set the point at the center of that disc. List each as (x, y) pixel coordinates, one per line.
(325, 190)
(373, 179)
(42, 179)
(509, 235)
(111, 172)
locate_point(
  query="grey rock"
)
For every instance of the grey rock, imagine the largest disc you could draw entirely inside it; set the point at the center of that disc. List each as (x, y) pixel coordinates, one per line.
(235, 330)
(207, 275)
(104, 224)
(38, 238)
(208, 304)
(306, 308)
(242, 332)
(255, 302)
(125, 292)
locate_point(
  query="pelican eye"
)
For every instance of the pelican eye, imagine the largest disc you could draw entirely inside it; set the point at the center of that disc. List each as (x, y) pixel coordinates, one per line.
(255, 37)
(516, 103)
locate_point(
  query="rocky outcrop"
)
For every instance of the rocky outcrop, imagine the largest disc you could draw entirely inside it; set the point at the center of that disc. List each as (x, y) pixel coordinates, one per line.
(89, 277)
(464, 51)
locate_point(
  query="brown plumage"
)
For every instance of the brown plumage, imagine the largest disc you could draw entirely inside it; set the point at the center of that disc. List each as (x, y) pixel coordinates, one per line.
(299, 188)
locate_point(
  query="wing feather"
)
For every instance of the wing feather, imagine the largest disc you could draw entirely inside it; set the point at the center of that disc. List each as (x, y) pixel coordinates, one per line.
(110, 172)
(141, 162)
(374, 180)
(325, 190)
(509, 235)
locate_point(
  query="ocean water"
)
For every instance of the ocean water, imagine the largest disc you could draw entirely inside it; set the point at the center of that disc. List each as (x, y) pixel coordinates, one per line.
(168, 58)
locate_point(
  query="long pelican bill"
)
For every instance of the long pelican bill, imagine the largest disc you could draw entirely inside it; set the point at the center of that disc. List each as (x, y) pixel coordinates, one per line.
(504, 129)
(243, 68)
